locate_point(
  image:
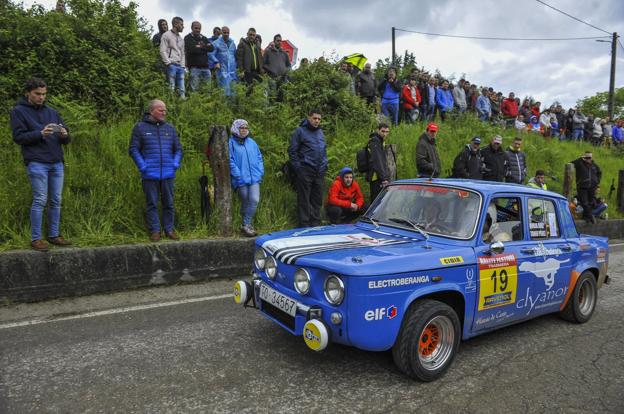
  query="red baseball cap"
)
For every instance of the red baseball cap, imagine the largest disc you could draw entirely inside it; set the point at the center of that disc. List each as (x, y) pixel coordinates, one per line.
(432, 127)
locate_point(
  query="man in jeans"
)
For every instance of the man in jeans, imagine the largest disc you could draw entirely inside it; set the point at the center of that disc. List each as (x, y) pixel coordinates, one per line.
(172, 55)
(40, 131)
(196, 47)
(157, 153)
(308, 156)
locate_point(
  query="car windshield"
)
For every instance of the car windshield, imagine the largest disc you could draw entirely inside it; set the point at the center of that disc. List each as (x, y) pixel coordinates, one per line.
(443, 211)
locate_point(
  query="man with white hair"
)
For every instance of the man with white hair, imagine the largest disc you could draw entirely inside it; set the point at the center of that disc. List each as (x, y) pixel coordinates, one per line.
(157, 153)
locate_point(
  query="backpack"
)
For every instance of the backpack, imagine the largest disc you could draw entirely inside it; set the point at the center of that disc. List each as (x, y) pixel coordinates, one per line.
(362, 160)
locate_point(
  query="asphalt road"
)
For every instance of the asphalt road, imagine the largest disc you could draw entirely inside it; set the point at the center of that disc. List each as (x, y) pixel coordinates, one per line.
(212, 356)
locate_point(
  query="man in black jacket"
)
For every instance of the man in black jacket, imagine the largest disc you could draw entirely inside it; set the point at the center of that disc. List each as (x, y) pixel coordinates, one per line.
(588, 176)
(496, 161)
(517, 162)
(196, 48)
(378, 174)
(428, 161)
(469, 163)
(248, 57)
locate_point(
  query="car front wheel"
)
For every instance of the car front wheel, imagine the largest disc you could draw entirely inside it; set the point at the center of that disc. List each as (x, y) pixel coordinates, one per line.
(428, 340)
(582, 302)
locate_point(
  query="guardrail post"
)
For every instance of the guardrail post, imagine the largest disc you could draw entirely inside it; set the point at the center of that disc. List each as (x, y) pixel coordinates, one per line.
(620, 191)
(220, 165)
(568, 179)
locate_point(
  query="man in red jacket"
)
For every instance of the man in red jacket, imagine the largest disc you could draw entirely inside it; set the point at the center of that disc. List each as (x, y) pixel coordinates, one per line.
(345, 201)
(509, 108)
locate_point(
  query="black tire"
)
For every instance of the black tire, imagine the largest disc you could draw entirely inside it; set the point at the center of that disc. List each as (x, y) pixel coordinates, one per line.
(582, 302)
(428, 340)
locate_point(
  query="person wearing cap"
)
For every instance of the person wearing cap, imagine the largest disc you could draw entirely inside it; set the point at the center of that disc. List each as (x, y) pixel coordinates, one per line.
(495, 160)
(517, 162)
(246, 171)
(588, 176)
(469, 162)
(345, 200)
(428, 161)
(539, 181)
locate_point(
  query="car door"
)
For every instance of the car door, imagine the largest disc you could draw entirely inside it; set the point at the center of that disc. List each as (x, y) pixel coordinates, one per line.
(550, 261)
(501, 283)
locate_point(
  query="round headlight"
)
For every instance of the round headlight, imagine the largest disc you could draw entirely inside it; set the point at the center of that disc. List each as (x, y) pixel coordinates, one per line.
(334, 290)
(260, 258)
(302, 281)
(270, 267)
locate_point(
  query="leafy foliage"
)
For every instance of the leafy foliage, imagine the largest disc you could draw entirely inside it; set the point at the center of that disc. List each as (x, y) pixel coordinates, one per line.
(98, 53)
(598, 104)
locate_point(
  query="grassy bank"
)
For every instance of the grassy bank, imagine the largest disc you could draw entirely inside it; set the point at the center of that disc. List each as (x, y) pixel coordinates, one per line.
(103, 203)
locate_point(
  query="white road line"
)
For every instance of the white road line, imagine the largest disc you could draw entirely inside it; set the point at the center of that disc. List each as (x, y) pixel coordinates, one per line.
(616, 244)
(125, 309)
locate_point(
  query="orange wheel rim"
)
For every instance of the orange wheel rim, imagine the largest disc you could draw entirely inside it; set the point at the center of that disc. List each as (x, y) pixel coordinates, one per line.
(429, 340)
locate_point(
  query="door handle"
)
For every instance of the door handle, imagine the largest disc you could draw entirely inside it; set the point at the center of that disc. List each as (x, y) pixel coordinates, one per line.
(528, 250)
(565, 247)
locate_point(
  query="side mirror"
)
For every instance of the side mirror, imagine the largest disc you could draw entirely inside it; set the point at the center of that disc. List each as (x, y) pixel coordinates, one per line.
(497, 248)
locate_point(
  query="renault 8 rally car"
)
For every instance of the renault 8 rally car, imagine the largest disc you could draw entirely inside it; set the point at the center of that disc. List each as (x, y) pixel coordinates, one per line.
(430, 263)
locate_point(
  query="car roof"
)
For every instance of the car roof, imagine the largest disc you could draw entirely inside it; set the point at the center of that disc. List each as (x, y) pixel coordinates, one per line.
(484, 187)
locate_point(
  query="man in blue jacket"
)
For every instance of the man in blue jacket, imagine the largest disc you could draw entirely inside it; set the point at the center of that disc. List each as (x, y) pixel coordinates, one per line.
(308, 156)
(157, 153)
(444, 100)
(224, 59)
(40, 131)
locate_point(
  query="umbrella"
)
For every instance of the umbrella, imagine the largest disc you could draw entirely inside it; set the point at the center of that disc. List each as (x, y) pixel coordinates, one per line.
(356, 59)
(204, 196)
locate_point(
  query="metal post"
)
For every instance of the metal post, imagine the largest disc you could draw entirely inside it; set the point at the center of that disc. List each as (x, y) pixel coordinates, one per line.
(620, 191)
(612, 79)
(568, 178)
(393, 46)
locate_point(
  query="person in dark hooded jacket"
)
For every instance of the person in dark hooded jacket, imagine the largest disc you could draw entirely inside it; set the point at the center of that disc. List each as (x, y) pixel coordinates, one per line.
(163, 27)
(39, 130)
(495, 160)
(588, 176)
(428, 161)
(517, 162)
(345, 201)
(469, 163)
(308, 156)
(378, 174)
(156, 150)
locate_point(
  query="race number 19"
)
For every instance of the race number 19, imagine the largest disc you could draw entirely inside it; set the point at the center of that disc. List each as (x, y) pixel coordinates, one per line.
(498, 281)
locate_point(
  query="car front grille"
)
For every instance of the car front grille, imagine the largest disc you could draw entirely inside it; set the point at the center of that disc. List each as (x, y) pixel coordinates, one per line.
(279, 315)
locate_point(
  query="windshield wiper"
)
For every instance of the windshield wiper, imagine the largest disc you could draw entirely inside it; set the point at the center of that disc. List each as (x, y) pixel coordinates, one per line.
(418, 227)
(367, 218)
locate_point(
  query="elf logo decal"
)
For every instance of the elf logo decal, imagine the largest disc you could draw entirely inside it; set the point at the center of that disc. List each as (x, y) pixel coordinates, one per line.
(381, 313)
(544, 270)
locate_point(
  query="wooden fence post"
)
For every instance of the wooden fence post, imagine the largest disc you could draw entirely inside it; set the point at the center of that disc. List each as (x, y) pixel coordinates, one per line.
(220, 165)
(568, 179)
(620, 191)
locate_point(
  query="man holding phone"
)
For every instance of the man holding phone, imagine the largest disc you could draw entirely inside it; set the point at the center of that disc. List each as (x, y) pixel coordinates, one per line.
(39, 130)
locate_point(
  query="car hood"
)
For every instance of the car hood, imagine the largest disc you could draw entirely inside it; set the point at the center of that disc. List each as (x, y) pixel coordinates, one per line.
(360, 251)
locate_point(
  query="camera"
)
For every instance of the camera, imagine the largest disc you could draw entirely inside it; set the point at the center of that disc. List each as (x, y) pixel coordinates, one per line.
(56, 128)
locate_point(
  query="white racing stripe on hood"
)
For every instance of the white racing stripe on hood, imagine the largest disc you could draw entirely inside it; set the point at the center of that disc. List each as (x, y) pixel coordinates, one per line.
(289, 249)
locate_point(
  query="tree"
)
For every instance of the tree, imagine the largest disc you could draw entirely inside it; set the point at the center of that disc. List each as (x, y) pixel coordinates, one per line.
(598, 104)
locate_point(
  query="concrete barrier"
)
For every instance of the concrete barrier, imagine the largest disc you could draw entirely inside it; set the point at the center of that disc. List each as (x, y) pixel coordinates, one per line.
(28, 276)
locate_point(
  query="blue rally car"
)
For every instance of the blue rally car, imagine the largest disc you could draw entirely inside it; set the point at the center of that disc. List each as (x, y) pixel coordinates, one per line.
(431, 262)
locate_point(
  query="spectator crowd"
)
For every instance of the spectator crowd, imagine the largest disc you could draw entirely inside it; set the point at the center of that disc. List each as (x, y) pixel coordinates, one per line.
(217, 60)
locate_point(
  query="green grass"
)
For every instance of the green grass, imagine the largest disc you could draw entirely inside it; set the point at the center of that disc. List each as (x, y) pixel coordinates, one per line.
(102, 199)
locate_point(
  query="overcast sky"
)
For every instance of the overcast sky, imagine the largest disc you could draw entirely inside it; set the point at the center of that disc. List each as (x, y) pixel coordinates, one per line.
(563, 71)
